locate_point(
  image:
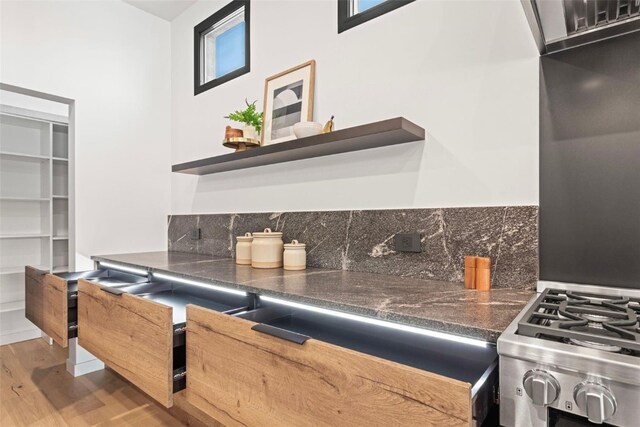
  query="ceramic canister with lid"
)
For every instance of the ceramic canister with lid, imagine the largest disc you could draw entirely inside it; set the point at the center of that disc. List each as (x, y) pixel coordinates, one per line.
(243, 249)
(295, 256)
(266, 249)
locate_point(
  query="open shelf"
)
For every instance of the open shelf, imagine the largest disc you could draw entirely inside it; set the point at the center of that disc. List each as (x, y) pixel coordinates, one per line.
(11, 306)
(373, 135)
(59, 141)
(16, 253)
(24, 136)
(20, 269)
(60, 179)
(34, 210)
(23, 156)
(23, 179)
(60, 219)
(60, 255)
(23, 199)
(23, 236)
(24, 219)
(11, 286)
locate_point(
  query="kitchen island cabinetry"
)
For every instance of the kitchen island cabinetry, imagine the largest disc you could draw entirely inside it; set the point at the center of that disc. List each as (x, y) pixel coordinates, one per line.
(243, 358)
(51, 298)
(354, 374)
(139, 331)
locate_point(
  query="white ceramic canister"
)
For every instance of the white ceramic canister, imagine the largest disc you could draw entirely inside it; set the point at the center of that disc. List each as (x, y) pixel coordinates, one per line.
(266, 249)
(243, 249)
(295, 256)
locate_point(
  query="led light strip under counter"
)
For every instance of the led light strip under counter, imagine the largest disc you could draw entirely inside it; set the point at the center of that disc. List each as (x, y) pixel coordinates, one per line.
(339, 314)
(200, 284)
(381, 323)
(170, 278)
(124, 268)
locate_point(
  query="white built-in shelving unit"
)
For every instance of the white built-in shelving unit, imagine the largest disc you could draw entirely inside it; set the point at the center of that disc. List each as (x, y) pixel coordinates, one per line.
(34, 209)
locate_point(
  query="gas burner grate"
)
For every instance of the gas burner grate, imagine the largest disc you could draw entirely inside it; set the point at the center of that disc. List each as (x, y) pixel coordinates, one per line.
(606, 323)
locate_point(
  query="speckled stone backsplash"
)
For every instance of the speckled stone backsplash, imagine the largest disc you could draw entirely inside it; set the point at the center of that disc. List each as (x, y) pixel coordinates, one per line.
(363, 240)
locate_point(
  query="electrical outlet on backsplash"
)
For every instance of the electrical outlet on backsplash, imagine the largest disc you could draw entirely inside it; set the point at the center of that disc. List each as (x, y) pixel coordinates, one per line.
(364, 240)
(408, 242)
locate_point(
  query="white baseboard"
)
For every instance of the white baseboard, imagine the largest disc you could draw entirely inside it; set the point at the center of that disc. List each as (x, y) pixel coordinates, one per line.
(84, 368)
(14, 326)
(10, 337)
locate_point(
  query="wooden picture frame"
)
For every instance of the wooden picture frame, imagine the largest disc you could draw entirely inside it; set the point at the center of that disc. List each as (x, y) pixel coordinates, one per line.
(289, 96)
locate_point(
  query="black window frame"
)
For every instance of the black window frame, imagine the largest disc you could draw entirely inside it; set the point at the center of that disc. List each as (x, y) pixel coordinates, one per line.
(346, 21)
(204, 26)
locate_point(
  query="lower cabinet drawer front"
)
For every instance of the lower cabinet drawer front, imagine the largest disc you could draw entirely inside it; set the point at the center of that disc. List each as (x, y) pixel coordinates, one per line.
(46, 303)
(55, 314)
(133, 336)
(34, 295)
(243, 377)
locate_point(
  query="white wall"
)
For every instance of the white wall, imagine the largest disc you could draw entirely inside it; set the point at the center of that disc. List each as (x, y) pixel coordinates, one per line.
(467, 71)
(32, 103)
(114, 61)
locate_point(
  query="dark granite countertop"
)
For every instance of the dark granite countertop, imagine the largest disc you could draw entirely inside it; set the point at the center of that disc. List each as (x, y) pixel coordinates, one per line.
(442, 306)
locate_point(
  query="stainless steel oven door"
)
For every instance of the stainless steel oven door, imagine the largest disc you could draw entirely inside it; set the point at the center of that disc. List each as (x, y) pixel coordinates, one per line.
(563, 419)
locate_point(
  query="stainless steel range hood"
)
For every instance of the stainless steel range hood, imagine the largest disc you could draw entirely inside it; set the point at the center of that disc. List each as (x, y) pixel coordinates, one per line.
(563, 24)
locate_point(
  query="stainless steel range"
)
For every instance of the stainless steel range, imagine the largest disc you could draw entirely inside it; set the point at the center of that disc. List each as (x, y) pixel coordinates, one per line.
(572, 357)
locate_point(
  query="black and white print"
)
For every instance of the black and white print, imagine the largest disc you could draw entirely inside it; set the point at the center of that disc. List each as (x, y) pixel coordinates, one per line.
(287, 109)
(288, 99)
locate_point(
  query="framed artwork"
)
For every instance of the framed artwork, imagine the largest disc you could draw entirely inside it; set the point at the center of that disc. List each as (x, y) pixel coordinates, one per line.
(288, 99)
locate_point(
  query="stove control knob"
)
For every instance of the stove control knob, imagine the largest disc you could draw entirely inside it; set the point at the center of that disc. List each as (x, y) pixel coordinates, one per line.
(596, 400)
(541, 387)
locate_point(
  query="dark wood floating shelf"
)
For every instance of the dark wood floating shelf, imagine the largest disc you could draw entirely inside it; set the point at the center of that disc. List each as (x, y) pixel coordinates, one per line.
(373, 135)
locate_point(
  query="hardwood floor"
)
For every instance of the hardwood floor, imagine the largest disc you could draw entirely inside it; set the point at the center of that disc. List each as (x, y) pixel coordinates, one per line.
(37, 390)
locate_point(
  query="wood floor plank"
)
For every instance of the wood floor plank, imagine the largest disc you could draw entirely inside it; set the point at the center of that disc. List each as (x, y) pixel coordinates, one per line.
(147, 415)
(36, 390)
(31, 409)
(13, 375)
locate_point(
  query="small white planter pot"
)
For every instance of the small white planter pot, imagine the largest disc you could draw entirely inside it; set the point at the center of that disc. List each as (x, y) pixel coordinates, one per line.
(250, 132)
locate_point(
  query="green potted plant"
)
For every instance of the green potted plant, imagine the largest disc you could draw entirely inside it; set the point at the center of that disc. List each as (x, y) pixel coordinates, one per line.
(251, 119)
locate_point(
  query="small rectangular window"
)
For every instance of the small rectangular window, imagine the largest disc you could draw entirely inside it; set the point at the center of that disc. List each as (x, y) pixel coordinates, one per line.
(360, 6)
(221, 51)
(355, 12)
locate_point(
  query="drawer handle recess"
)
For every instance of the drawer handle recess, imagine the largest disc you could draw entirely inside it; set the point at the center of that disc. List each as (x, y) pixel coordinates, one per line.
(280, 333)
(112, 291)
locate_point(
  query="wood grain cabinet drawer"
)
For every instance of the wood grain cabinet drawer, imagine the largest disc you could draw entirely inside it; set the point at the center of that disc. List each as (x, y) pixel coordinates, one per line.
(34, 295)
(139, 332)
(300, 368)
(51, 299)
